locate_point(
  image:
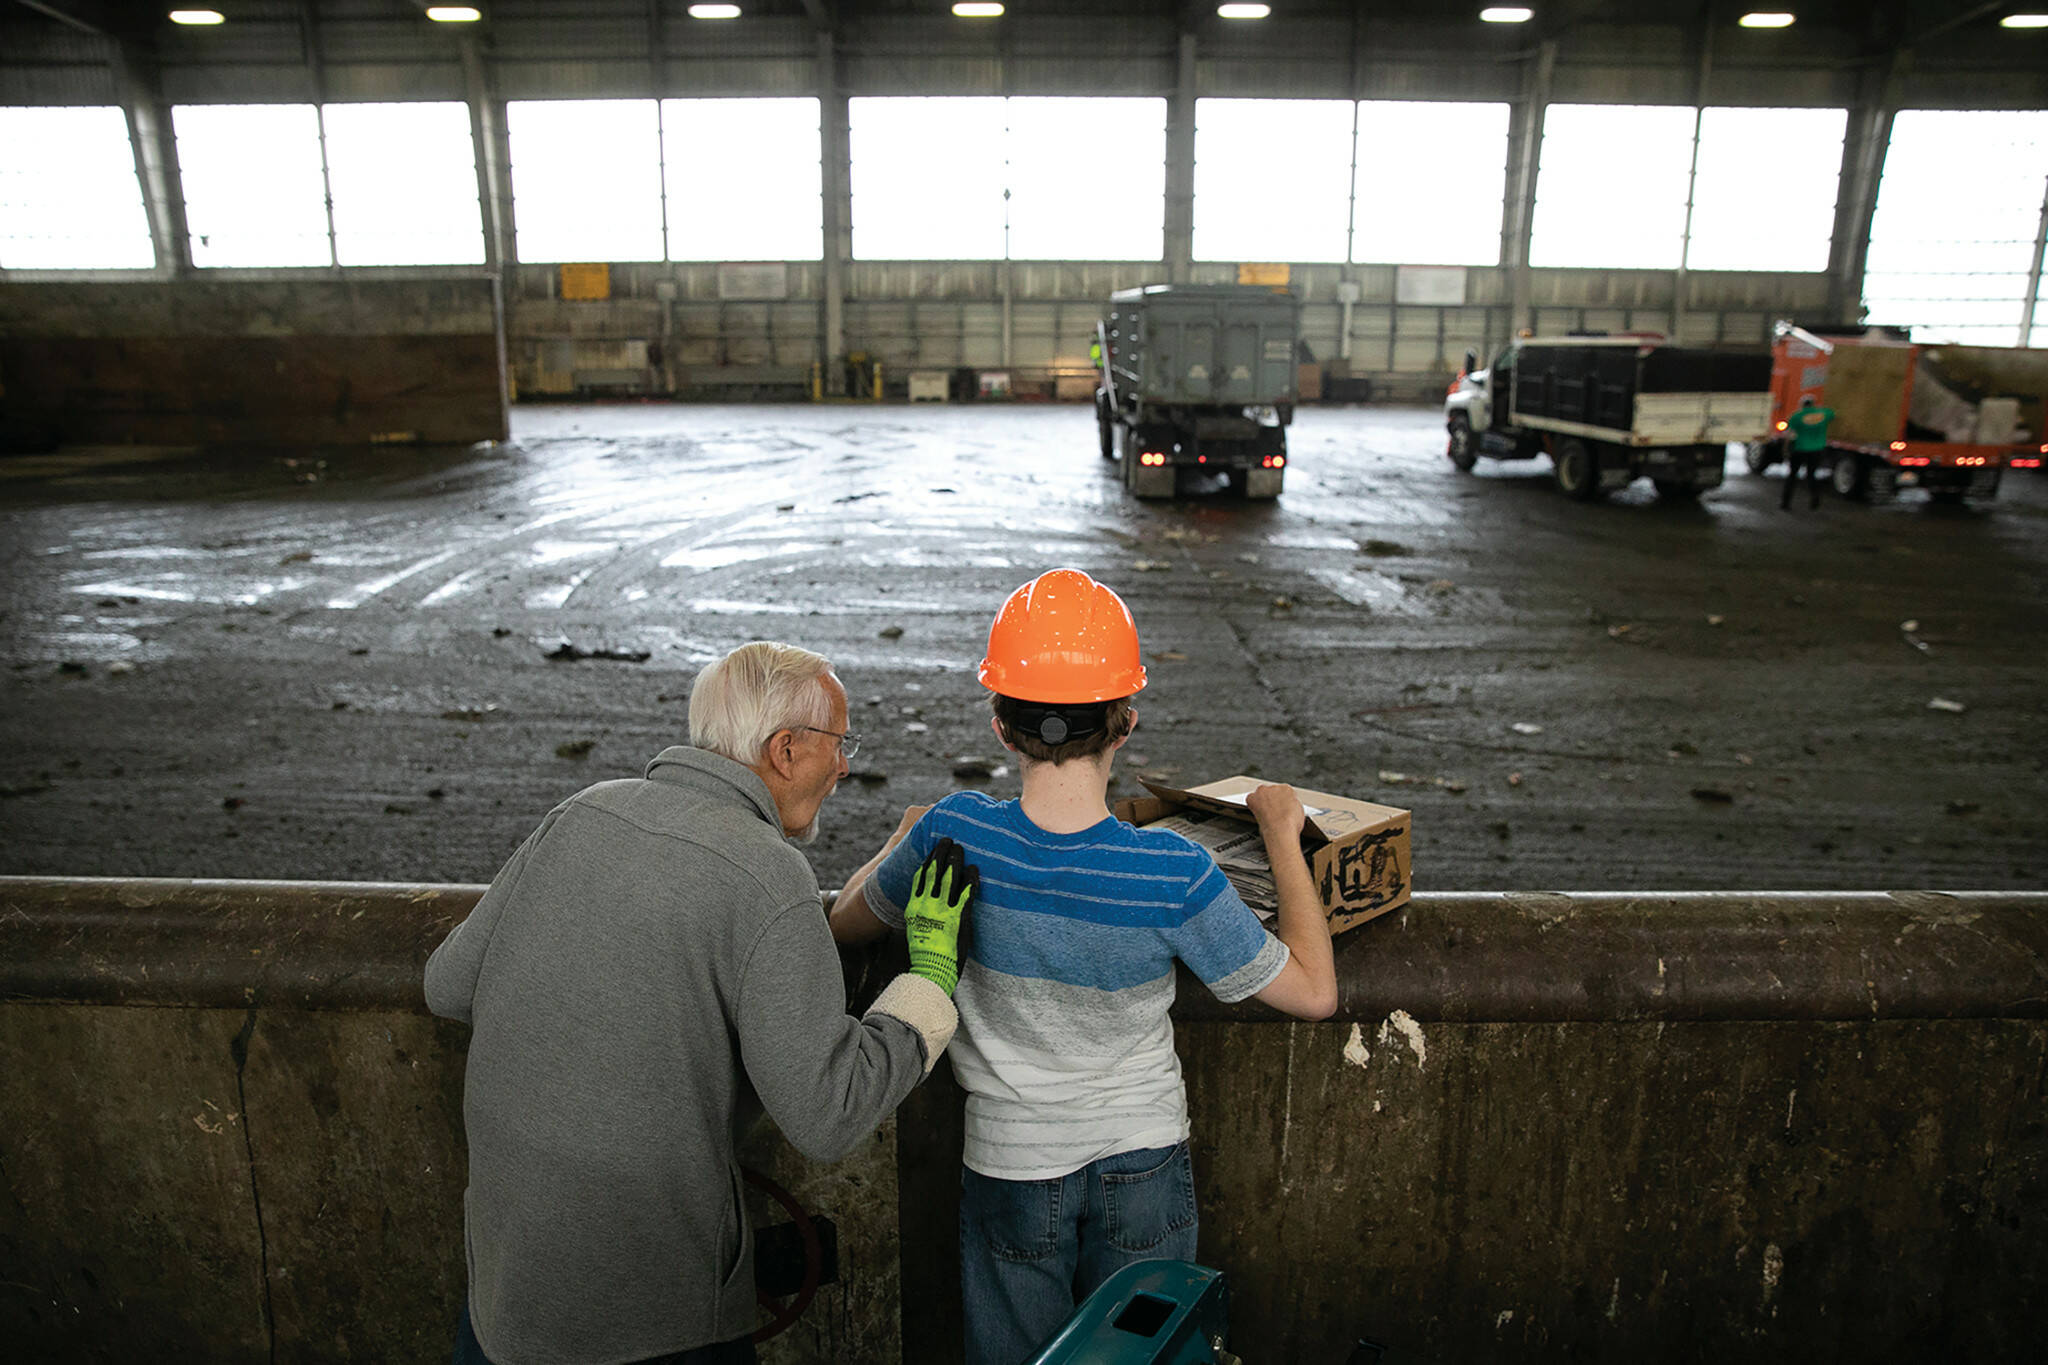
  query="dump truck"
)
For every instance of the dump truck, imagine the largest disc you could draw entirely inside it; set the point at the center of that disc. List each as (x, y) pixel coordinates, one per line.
(1610, 409)
(1949, 419)
(1198, 378)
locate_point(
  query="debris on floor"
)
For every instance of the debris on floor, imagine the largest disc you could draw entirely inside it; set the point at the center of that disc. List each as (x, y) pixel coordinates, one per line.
(1944, 704)
(575, 748)
(565, 651)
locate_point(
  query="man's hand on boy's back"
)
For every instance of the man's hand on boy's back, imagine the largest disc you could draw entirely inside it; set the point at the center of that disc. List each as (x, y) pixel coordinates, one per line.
(940, 894)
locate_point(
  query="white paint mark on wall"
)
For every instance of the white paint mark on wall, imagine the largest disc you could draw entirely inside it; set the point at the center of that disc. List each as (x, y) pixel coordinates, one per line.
(1774, 1270)
(1500, 1324)
(1355, 1050)
(1614, 1302)
(1790, 1099)
(1411, 1032)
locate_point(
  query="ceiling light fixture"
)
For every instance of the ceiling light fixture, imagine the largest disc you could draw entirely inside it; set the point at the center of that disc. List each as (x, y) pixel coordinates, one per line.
(714, 11)
(2024, 21)
(454, 14)
(1765, 19)
(197, 18)
(1243, 11)
(970, 10)
(1506, 14)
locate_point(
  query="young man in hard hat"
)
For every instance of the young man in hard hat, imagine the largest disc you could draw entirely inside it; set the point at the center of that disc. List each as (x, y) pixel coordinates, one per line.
(1077, 1122)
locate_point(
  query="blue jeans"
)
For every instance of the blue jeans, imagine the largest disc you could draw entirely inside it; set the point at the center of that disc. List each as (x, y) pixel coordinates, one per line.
(469, 1351)
(1030, 1250)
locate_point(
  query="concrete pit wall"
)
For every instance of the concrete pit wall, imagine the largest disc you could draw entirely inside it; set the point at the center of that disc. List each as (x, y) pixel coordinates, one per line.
(1608, 1128)
(301, 362)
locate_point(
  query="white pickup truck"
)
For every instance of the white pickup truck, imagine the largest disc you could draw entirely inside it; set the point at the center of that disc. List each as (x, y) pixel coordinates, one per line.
(1608, 410)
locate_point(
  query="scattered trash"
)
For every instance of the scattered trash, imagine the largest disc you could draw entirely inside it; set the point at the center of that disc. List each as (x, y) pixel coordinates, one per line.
(1944, 704)
(575, 748)
(1514, 779)
(1909, 626)
(785, 507)
(1283, 604)
(393, 808)
(1745, 760)
(1440, 587)
(890, 633)
(299, 558)
(1963, 808)
(1150, 565)
(437, 793)
(120, 669)
(1713, 795)
(72, 668)
(500, 632)
(467, 713)
(869, 779)
(1906, 632)
(978, 769)
(1383, 548)
(1169, 656)
(232, 803)
(1715, 618)
(1617, 632)
(917, 727)
(1394, 779)
(1683, 748)
(1523, 727)
(339, 706)
(1248, 559)
(566, 652)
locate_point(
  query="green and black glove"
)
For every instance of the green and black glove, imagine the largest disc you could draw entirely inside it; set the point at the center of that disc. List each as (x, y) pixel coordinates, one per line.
(939, 896)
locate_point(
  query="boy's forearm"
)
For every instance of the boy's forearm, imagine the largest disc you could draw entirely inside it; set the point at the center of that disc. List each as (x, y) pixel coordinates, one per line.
(1300, 922)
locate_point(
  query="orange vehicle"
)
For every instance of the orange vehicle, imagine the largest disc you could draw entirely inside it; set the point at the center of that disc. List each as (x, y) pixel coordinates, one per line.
(1949, 419)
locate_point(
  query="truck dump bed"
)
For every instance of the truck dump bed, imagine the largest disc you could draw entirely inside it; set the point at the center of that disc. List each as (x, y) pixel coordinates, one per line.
(1224, 345)
(1642, 393)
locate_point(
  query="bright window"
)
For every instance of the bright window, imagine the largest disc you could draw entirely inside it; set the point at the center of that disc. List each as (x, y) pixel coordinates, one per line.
(1610, 188)
(1765, 195)
(743, 179)
(404, 179)
(254, 195)
(1087, 178)
(927, 178)
(1952, 242)
(586, 179)
(1406, 150)
(1269, 179)
(97, 222)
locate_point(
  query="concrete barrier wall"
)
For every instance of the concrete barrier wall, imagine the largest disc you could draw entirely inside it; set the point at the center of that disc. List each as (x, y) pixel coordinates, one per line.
(312, 361)
(1602, 1127)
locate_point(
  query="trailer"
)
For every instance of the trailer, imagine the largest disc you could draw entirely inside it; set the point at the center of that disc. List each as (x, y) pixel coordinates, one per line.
(1948, 419)
(1608, 410)
(1198, 378)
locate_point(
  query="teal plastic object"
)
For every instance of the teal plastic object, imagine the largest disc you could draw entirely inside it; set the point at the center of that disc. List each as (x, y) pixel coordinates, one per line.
(1149, 1313)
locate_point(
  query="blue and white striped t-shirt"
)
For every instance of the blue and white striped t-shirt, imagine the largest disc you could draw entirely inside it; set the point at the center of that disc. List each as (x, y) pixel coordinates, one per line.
(1066, 975)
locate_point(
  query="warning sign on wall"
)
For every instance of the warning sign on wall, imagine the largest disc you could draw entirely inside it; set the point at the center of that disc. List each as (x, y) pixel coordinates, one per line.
(1251, 272)
(587, 281)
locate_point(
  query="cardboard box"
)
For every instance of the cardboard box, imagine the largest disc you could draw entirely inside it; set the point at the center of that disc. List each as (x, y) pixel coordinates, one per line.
(1358, 851)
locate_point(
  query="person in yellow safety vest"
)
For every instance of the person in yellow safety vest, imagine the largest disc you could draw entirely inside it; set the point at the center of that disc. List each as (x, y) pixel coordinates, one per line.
(1095, 354)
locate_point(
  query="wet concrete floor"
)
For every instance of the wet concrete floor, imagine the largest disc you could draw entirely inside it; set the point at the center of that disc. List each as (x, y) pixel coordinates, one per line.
(243, 664)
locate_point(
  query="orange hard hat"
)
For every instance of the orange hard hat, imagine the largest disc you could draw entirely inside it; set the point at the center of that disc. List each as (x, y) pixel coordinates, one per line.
(1063, 638)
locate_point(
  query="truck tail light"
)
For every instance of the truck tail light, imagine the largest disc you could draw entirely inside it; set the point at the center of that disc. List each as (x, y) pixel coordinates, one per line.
(1916, 461)
(1153, 457)
(2027, 462)
(1274, 462)
(1781, 426)
(1898, 445)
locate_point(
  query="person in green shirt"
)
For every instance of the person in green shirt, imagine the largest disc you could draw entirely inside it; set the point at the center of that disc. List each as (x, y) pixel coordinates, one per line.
(1808, 428)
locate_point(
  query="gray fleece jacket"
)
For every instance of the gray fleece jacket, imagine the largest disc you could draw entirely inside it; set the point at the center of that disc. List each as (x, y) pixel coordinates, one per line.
(648, 972)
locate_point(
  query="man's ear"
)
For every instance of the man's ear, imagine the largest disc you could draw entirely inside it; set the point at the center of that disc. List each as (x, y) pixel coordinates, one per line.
(1130, 728)
(780, 752)
(1001, 738)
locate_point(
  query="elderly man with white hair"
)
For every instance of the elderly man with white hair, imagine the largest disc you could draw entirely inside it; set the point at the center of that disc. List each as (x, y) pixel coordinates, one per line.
(647, 974)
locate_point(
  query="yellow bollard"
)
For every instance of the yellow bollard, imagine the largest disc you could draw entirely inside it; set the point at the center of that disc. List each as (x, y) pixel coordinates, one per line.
(878, 381)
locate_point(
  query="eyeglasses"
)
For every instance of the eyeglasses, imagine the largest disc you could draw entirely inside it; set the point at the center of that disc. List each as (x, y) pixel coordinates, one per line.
(849, 741)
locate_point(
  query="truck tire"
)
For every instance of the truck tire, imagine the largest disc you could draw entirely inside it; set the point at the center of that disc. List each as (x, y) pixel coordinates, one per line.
(1577, 469)
(1462, 451)
(1759, 455)
(1849, 477)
